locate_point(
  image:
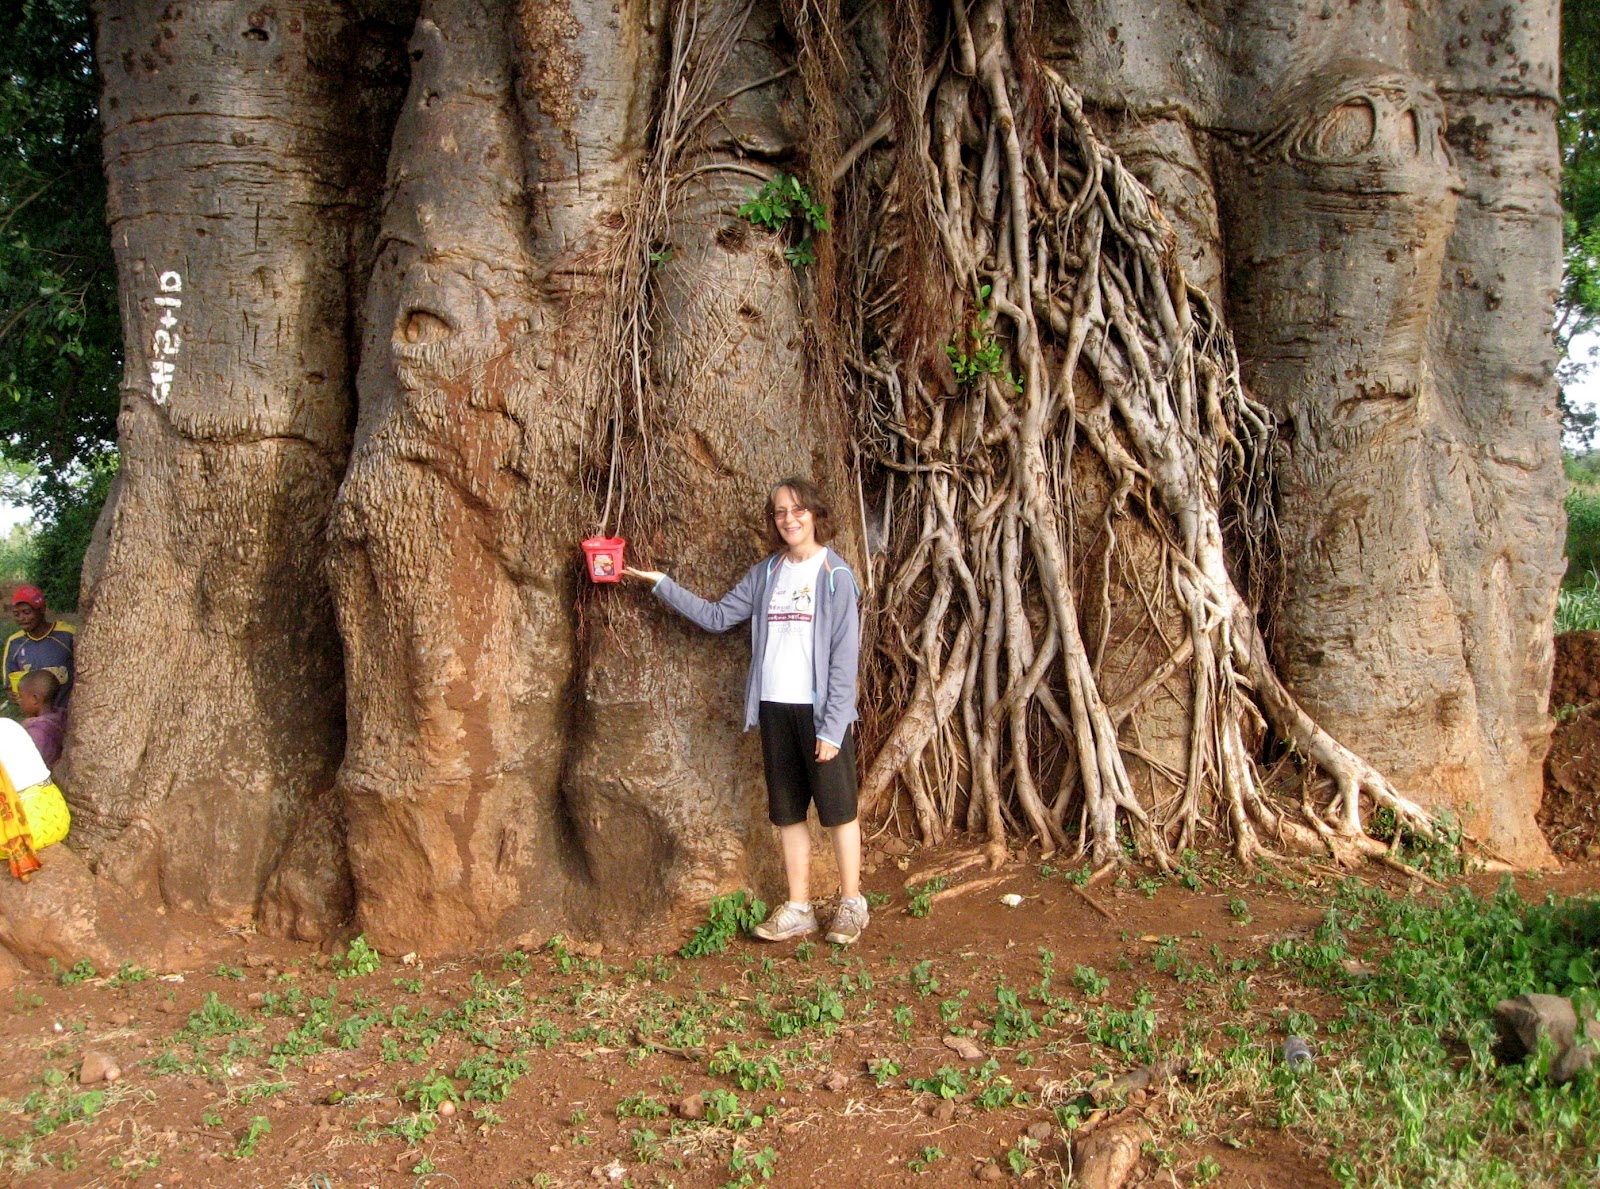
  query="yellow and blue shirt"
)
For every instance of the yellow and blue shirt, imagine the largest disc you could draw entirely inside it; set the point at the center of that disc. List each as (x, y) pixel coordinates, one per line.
(52, 651)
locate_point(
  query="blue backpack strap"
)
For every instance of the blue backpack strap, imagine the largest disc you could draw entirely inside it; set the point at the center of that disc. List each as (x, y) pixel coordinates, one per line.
(833, 570)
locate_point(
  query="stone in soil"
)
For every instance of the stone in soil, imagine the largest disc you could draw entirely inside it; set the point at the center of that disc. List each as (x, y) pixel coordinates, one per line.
(97, 1067)
(1106, 1157)
(1526, 1020)
(963, 1047)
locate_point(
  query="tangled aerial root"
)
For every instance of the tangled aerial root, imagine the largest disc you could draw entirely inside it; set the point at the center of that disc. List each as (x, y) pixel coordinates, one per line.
(1086, 336)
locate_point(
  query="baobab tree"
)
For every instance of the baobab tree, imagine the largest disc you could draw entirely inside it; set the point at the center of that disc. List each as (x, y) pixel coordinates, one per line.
(1184, 370)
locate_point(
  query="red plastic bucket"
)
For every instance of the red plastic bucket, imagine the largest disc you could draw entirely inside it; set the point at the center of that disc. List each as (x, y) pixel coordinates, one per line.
(603, 558)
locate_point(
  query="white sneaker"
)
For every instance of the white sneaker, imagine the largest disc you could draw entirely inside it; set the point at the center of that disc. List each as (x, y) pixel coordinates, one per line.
(848, 922)
(788, 921)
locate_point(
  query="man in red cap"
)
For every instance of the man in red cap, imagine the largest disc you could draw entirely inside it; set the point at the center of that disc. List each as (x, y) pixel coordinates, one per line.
(43, 643)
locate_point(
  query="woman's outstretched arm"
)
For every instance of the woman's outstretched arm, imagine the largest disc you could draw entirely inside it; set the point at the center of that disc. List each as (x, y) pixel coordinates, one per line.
(729, 611)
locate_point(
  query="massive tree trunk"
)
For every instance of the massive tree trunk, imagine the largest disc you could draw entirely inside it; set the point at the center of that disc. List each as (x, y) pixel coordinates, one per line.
(1111, 566)
(240, 147)
(524, 754)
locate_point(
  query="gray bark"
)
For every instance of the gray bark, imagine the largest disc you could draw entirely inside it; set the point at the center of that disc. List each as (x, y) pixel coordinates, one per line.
(209, 718)
(1388, 249)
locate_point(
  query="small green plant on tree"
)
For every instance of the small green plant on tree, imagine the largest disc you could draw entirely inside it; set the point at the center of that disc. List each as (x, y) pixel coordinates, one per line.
(780, 201)
(978, 353)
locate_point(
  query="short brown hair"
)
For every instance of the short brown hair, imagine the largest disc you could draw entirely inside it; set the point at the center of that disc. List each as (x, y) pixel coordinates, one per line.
(808, 497)
(41, 682)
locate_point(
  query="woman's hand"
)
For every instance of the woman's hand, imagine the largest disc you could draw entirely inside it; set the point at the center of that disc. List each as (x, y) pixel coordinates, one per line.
(825, 751)
(650, 576)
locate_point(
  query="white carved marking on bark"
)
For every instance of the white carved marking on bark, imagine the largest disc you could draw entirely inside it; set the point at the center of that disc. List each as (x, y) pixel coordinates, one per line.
(165, 342)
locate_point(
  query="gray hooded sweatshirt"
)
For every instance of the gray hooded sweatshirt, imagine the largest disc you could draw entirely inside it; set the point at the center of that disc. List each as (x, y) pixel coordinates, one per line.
(835, 643)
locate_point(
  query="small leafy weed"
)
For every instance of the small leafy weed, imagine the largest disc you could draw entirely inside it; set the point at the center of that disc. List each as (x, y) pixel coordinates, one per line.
(727, 917)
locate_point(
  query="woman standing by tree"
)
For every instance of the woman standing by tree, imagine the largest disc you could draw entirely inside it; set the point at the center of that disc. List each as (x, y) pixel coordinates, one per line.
(805, 636)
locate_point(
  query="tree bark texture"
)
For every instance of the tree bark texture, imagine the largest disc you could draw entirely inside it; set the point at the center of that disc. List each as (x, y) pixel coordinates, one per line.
(415, 299)
(1372, 190)
(525, 755)
(240, 148)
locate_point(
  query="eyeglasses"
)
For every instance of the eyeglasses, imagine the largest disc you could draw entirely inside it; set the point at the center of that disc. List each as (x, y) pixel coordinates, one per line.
(784, 513)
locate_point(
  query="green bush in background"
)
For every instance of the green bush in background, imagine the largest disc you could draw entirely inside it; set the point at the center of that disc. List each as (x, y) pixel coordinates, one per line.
(48, 551)
(1578, 607)
(1583, 533)
(16, 556)
(1583, 514)
(69, 511)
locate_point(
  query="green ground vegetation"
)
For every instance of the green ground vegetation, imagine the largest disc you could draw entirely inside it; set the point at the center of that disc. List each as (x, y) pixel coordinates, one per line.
(1392, 987)
(1578, 605)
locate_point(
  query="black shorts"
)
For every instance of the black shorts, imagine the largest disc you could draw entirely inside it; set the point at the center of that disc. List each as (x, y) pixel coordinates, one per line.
(794, 778)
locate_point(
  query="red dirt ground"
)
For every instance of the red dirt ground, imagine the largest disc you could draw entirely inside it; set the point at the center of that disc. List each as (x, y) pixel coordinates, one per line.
(1575, 679)
(602, 1029)
(1570, 816)
(184, 1110)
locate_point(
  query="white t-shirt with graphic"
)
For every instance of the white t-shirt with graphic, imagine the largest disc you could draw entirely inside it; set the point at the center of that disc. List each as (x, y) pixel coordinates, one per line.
(786, 667)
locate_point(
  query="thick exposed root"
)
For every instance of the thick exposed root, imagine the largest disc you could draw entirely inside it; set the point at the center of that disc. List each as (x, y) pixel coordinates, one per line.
(1082, 335)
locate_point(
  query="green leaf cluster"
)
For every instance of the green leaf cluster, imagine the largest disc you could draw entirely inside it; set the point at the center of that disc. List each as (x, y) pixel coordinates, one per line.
(946, 1083)
(80, 971)
(921, 903)
(1578, 126)
(358, 960)
(781, 200)
(727, 918)
(60, 339)
(978, 353)
(824, 1012)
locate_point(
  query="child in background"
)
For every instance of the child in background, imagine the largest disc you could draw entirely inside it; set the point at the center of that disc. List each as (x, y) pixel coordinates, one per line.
(46, 725)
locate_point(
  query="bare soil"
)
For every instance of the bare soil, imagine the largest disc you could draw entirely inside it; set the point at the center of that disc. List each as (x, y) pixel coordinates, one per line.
(1575, 677)
(1570, 815)
(203, 1101)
